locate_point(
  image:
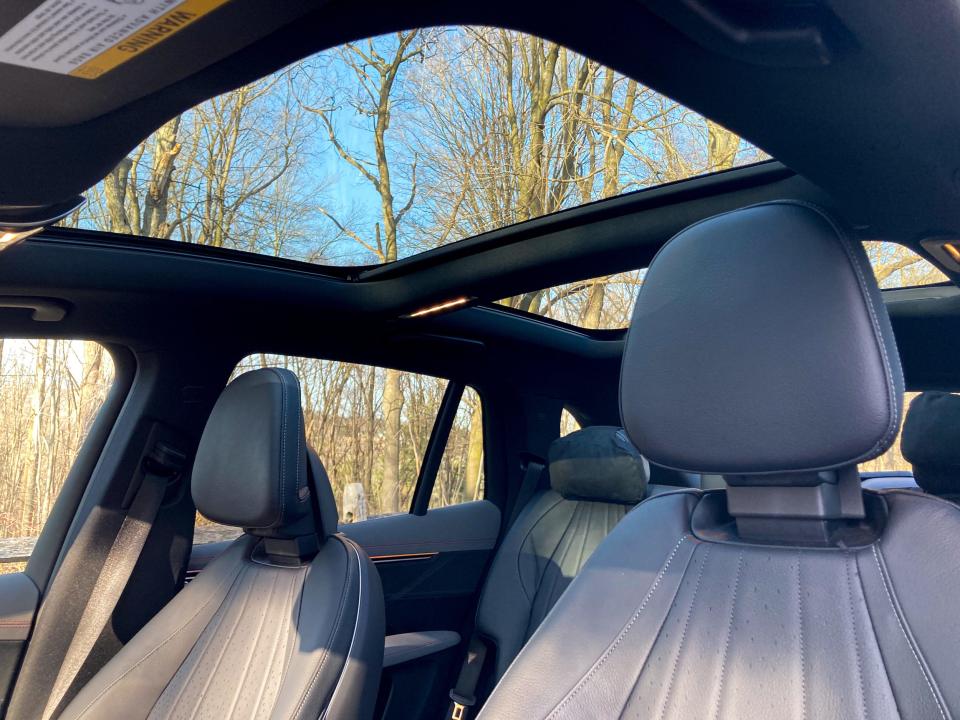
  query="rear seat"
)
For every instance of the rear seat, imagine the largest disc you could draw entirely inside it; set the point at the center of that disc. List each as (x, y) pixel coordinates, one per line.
(596, 477)
(931, 443)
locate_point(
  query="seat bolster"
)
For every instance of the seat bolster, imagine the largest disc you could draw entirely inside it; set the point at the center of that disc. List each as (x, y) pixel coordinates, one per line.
(130, 684)
(504, 610)
(338, 606)
(911, 581)
(355, 694)
(639, 566)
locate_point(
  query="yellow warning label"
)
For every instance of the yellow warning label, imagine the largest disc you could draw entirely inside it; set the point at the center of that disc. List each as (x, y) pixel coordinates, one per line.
(86, 38)
(186, 13)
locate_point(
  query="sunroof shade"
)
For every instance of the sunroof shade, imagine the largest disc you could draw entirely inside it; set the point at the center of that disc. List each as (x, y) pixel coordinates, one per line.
(381, 149)
(606, 303)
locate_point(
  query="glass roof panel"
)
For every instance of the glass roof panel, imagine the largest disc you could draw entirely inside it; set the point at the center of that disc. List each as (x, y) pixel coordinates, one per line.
(380, 149)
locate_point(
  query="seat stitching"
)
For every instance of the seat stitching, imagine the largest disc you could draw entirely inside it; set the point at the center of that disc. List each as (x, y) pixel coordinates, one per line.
(623, 633)
(803, 655)
(201, 645)
(643, 665)
(856, 644)
(726, 642)
(892, 400)
(906, 637)
(280, 636)
(683, 634)
(160, 645)
(283, 444)
(527, 537)
(248, 663)
(873, 629)
(223, 651)
(356, 624)
(326, 650)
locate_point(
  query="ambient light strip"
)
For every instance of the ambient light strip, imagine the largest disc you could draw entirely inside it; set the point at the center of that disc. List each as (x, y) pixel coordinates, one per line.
(403, 557)
(439, 307)
(12, 237)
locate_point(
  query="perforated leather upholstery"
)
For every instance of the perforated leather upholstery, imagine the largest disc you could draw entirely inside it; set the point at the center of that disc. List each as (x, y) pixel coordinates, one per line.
(661, 623)
(257, 635)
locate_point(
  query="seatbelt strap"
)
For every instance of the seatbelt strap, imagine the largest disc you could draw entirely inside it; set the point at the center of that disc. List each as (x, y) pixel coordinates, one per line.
(463, 695)
(161, 466)
(528, 486)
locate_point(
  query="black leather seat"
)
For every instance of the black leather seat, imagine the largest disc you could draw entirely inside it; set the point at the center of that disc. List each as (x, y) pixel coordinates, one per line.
(791, 594)
(596, 477)
(931, 443)
(288, 622)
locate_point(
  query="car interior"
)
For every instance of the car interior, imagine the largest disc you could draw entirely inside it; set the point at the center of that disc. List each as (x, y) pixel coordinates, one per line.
(506, 360)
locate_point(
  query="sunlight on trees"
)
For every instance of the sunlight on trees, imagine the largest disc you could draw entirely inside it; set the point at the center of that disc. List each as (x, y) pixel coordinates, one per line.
(50, 392)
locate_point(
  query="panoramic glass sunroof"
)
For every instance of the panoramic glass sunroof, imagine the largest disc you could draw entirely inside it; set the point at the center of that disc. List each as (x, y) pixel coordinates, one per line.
(381, 149)
(606, 303)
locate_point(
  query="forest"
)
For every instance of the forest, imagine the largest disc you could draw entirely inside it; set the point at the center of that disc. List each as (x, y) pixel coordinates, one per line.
(367, 153)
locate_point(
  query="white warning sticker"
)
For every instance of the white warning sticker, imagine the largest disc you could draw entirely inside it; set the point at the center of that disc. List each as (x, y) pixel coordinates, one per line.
(86, 38)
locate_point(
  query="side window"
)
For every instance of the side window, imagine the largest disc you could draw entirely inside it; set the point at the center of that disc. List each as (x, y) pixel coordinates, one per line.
(50, 392)
(461, 475)
(892, 460)
(568, 423)
(371, 427)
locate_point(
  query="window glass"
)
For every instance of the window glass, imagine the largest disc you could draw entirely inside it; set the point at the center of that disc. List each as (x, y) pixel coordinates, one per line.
(370, 426)
(385, 147)
(568, 423)
(892, 460)
(607, 302)
(50, 392)
(897, 266)
(461, 475)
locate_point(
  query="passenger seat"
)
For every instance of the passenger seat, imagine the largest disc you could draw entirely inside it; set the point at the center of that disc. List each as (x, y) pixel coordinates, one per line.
(931, 443)
(596, 477)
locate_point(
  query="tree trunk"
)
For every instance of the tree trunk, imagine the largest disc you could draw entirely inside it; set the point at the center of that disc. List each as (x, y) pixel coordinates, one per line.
(471, 484)
(392, 406)
(593, 310)
(722, 146)
(28, 512)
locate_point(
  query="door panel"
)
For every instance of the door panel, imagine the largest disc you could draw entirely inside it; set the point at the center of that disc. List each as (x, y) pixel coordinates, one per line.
(19, 597)
(432, 565)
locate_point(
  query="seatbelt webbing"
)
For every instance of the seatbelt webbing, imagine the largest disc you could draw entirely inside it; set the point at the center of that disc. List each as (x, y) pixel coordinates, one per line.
(528, 486)
(117, 568)
(463, 694)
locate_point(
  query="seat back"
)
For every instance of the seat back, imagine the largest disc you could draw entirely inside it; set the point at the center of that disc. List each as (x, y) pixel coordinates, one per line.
(288, 622)
(596, 478)
(791, 593)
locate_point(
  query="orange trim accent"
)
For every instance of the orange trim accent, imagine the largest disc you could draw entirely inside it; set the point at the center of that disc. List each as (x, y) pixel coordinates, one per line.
(403, 556)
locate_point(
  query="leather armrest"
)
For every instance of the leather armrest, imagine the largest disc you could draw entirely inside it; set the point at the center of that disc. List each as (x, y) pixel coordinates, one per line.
(405, 647)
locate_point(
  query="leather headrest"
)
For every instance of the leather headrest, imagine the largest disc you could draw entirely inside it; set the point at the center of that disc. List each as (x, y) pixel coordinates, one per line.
(598, 463)
(760, 346)
(252, 468)
(931, 442)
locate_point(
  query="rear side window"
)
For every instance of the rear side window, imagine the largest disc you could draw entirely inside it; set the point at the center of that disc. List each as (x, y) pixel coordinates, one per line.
(371, 427)
(892, 460)
(50, 393)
